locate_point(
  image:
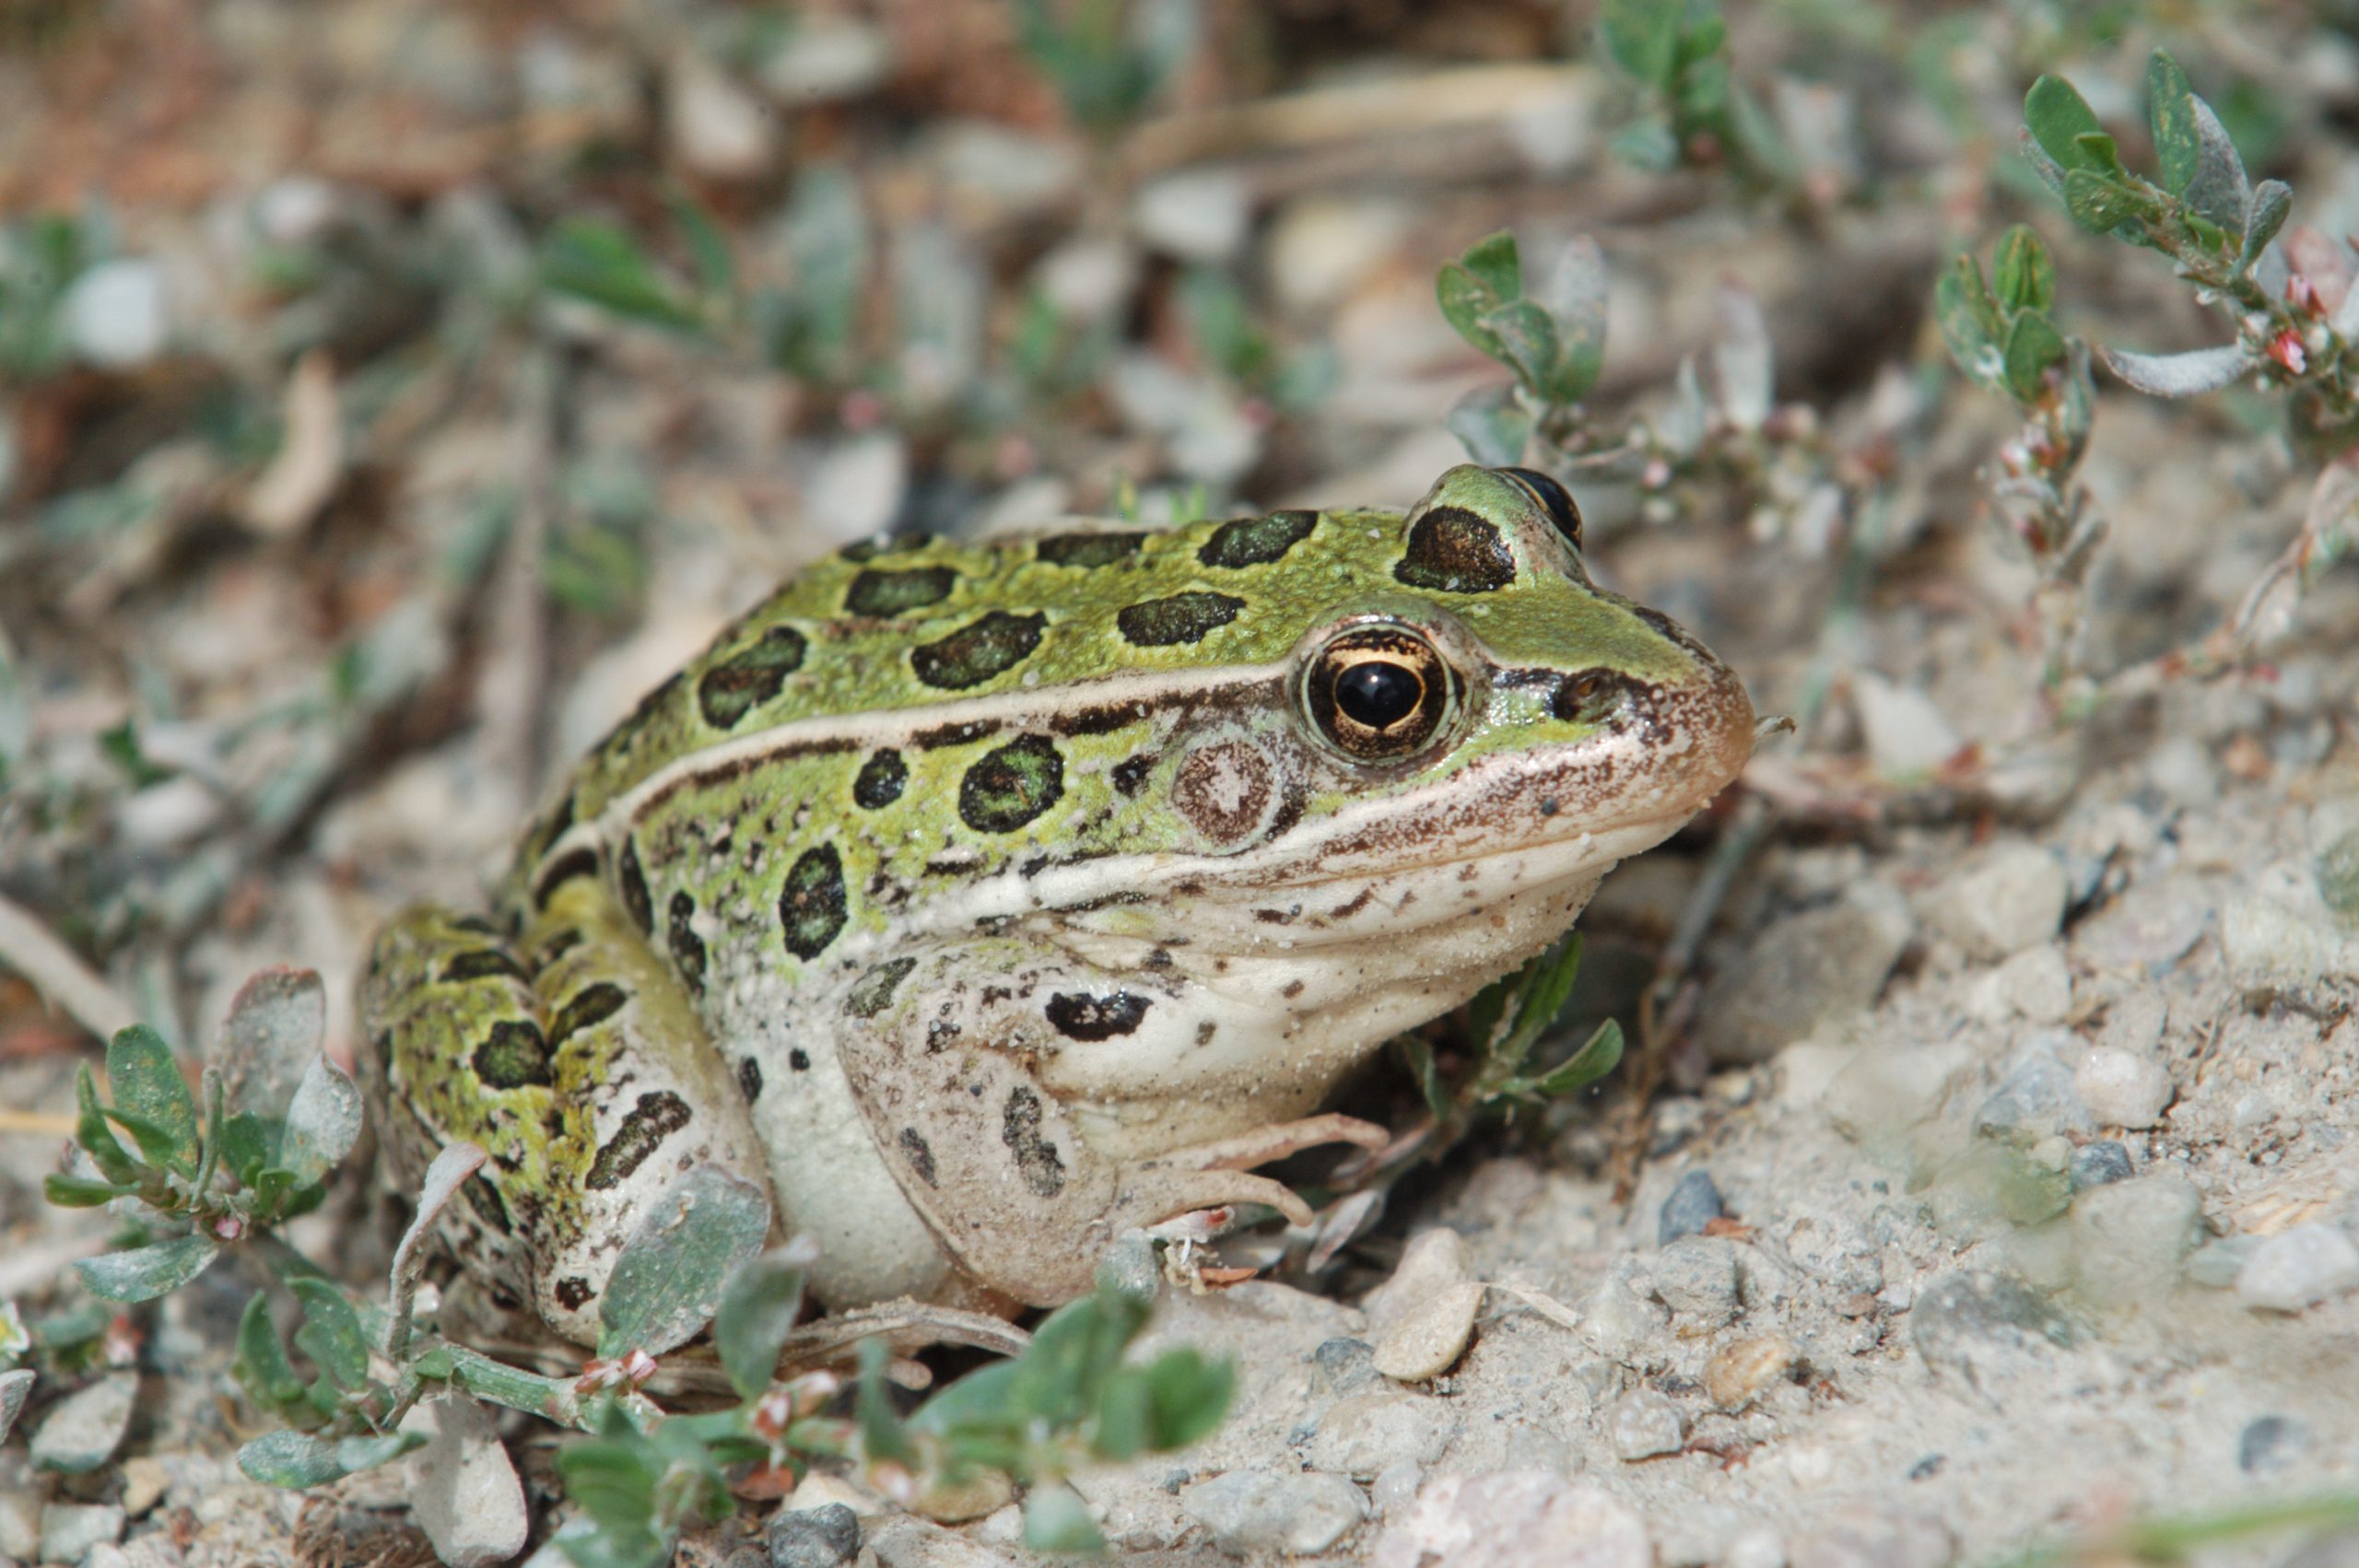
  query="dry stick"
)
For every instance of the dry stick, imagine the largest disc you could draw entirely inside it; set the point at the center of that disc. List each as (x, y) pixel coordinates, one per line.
(32, 950)
(1670, 997)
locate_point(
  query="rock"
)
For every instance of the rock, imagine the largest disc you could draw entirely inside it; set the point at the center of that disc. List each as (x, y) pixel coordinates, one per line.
(2037, 1100)
(1366, 1433)
(464, 1492)
(825, 59)
(856, 490)
(824, 1536)
(20, 1513)
(2131, 1237)
(114, 313)
(2008, 898)
(1697, 1278)
(2095, 1164)
(1805, 973)
(84, 1430)
(1886, 1091)
(1395, 1488)
(2121, 1089)
(2182, 770)
(1344, 1366)
(716, 128)
(901, 1541)
(1514, 1519)
(1256, 1510)
(1966, 1315)
(1321, 247)
(1693, 1203)
(1759, 1547)
(2035, 984)
(144, 1483)
(1197, 214)
(2149, 927)
(972, 1496)
(2336, 871)
(2298, 1268)
(1427, 1340)
(2269, 1444)
(1620, 1321)
(1738, 1372)
(1860, 1539)
(1907, 737)
(68, 1530)
(2264, 940)
(1643, 1423)
(2217, 1263)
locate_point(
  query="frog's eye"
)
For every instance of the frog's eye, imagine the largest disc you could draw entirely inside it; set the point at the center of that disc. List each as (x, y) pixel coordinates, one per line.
(1377, 693)
(1554, 498)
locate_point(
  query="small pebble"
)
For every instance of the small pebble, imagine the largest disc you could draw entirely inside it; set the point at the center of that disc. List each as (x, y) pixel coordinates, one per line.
(1962, 1319)
(1344, 1366)
(1759, 1547)
(1693, 1203)
(2217, 1262)
(68, 1530)
(2131, 1238)
(813, 1538)
(1697, 1278)
(2269, 1444)
(1737, 1371)
(1198, 214)
(2010, 899)
(2095, 1164)
(1644, 1423)
(2298, 1268)
(114, 313)
(1368, 1434)
(2037, 1100)
(1520, 1518)
(1426, 1339)
(84, 1430)
(2122, 1089)
(1618, 1320)
(1294, 1514)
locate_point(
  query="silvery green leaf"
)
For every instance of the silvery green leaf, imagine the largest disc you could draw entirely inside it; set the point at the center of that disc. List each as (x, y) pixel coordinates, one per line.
(2271, 272)
(758, 1310)
(2171, 110)
(668, 1282)
(1057, 1521)
(2271, 200)
(1491, 423)
(2220, 190)
(322, 1121)
(1743, 361)
(2050, 173)
(449, 1172)
(1496, 265)
(1680, 427)
(1574, 297)
(2056, 116)
(2033, 346)
(1527, 344)
(2180, 375)
(147, 1273)
(298, 1459)
(14, 1386)
(274, 1030)
(148, 1088)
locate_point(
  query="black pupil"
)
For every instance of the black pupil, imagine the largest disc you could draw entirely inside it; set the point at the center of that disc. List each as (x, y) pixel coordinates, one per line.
(1376, 693)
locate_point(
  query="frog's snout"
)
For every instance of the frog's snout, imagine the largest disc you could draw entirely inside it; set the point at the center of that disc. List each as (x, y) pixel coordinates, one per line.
(1715, 714)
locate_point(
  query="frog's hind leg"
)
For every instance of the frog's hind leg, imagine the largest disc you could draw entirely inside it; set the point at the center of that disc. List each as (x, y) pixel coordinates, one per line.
(575, 1058)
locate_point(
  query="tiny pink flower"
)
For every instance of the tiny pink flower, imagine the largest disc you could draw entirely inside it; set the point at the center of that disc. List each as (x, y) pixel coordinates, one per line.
(2286, 349)
(227, 1227)
(2302, 295)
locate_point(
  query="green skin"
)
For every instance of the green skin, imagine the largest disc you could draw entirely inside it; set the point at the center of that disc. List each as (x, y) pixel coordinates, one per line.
(985, 901)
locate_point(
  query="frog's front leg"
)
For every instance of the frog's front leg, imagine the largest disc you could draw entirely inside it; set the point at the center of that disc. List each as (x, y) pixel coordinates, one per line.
(944, 1051)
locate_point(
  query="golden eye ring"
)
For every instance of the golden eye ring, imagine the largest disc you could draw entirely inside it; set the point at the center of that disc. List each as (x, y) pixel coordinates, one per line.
(1377, 693)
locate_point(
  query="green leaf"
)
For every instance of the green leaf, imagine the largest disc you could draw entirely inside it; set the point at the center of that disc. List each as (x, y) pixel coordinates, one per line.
(757, 1311)
(262, 1367)
(1969, 320)
(2100, 156)
(2170, 108)
(668, 1282)
(2102, 206)
(1642, 36)
(2219, 191)
(600, 263)
(1125, 1416)
(121, 746)
(2272, 200)
(248, 1144)
(708, 246)
(148, 1086)
(147, 1273)
(2191, 374)
(1574, 298)
(883, 1435)
(276, 1027)
(1598, 1055)
(331, 1334)
(2057, 116)
(1647, 143)
(1057, 1520)
(2022, 272)
(90, 1131)
(1491, 425)
(322, 1121)
(1493, 262)
(298, 1461)
(1464, 302)
(2033, 345)
(1540, 992)
(14, 1386)
(80, 1192)
(1527, 339)
(1190, 1396)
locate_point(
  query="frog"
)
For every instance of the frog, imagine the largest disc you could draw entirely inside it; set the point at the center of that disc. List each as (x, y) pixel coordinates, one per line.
(985, 903)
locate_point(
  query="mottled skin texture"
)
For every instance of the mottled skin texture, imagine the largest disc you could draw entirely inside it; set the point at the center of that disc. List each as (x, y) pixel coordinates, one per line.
(986, 900)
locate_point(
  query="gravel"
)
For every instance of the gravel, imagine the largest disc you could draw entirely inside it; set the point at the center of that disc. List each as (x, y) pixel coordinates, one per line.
(2095, 1164)
(1644, 1424)
(813, 1538)
(2298, 1269)
(1368, 1434)
(2122, 1089)
(1693, 1203)
(1515, 1519)
(1257, 1511)
(2010, 899)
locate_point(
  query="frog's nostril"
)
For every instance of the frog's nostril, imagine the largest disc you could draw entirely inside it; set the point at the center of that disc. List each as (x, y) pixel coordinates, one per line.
(1586, 696)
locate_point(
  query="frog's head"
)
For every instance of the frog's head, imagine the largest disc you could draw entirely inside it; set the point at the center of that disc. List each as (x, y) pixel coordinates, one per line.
(1469, 726)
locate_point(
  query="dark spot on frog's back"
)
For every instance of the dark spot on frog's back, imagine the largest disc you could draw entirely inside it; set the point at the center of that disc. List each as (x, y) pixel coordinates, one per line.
(1080, 1017)
(880, 780)
(1087, 552)
(687, 948)
(657, 1116)
(564, 868)
(573, 1292)
(920, 1155)
(884, 594)
(749, 1079)
(630, 882)
(484, 1198)
(1180, 619)
(1011, 785)
(481, 964)
(749, 677)
(813, 905)
(1036, 1159)
(989, 646)
(514, 1055)
(591, 1005)
(1256, 541)
(1453, 551)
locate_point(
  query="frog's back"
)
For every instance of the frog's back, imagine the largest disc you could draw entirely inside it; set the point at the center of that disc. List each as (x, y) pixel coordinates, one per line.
(921, 621)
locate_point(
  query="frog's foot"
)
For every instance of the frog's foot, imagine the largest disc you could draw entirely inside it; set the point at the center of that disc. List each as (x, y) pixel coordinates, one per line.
(1216, 1174)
